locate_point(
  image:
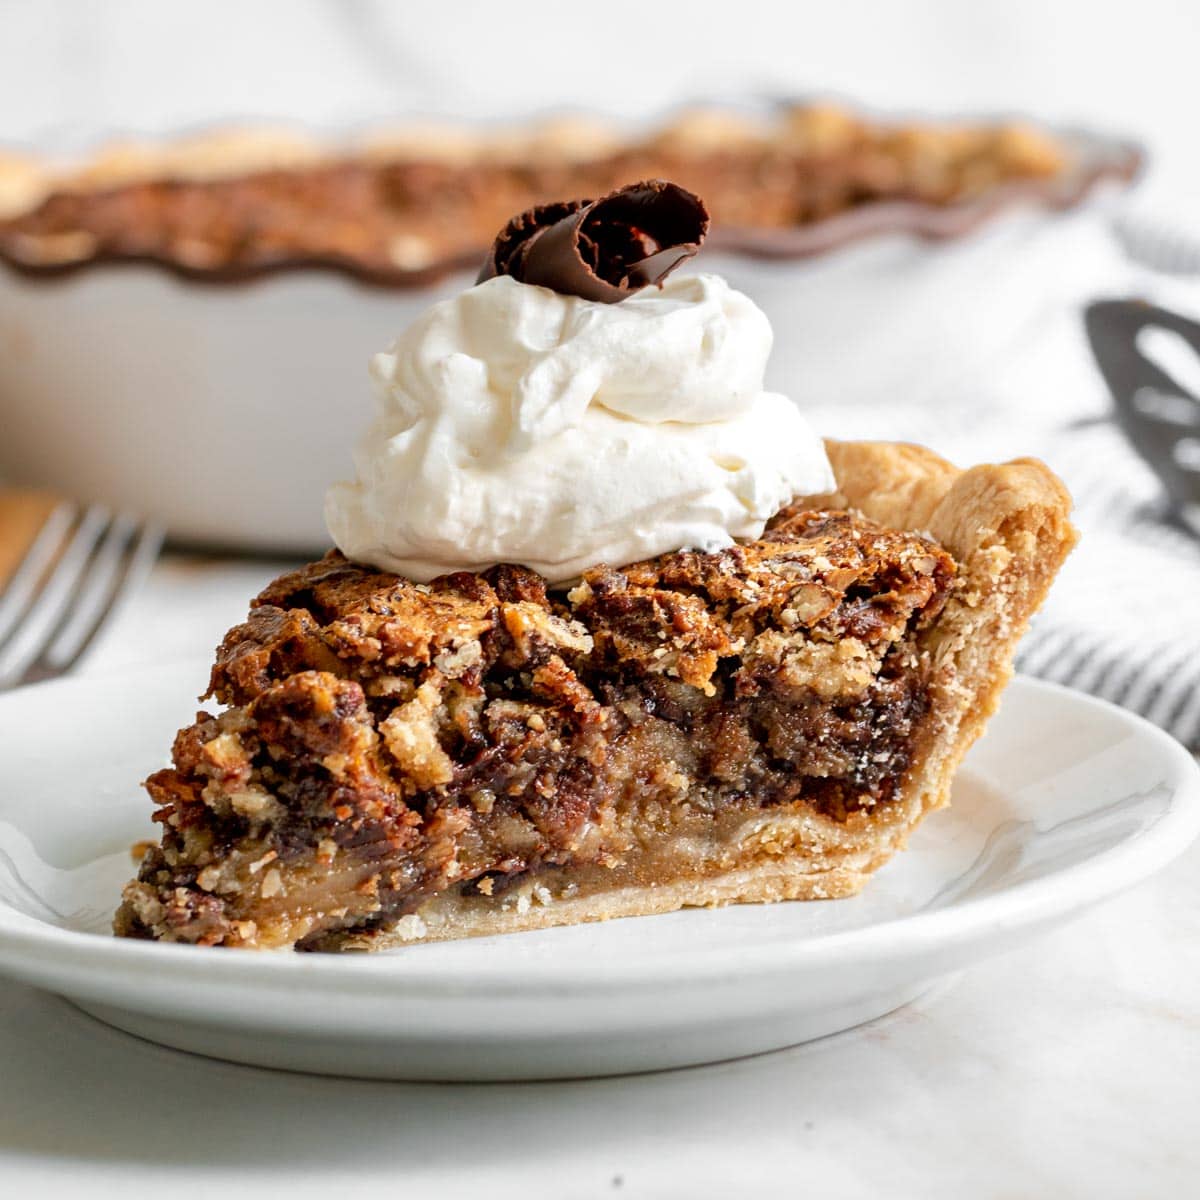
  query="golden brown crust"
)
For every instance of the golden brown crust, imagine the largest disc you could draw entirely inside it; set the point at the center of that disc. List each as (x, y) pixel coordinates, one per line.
(1008, 527)
(767, 881)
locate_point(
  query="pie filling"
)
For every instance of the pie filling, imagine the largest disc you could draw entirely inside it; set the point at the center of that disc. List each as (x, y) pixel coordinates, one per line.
(391, 753)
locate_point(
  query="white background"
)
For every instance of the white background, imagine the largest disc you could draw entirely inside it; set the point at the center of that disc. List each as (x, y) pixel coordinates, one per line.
(73, 70)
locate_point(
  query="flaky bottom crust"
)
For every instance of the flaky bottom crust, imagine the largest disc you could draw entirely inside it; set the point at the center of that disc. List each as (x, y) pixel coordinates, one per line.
(1008, 528)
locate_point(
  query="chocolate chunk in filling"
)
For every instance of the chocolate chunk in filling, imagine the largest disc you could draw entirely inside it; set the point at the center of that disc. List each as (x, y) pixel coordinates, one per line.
(385, 743)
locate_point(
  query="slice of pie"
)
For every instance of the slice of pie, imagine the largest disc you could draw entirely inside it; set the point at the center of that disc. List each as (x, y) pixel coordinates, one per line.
(399, 761)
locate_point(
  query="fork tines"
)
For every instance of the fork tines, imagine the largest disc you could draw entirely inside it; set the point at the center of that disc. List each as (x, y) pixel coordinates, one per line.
(71, 580)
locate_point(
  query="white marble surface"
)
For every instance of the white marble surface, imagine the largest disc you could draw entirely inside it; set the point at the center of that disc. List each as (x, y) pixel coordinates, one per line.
(1068, 1068)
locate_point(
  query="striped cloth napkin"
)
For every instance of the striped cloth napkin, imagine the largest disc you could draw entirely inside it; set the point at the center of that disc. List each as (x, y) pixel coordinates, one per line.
(1123, 619)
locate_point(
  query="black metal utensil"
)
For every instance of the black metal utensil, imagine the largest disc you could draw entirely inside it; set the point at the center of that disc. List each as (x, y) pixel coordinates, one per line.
(1157, 414)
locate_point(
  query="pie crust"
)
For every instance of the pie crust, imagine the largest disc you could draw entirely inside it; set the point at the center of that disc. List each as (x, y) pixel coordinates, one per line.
(1007, 529)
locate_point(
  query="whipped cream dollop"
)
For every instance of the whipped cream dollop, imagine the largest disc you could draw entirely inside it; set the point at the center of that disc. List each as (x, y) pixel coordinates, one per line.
(519, 425)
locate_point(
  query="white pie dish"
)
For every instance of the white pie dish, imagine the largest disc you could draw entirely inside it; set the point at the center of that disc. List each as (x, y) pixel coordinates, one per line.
(223, 409)
(1065, 801)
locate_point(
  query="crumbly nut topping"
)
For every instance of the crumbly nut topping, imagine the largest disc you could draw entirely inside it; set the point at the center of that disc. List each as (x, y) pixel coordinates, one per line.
(384, 741)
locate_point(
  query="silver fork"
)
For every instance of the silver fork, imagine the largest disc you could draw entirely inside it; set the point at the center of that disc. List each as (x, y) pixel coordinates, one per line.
(81, 565)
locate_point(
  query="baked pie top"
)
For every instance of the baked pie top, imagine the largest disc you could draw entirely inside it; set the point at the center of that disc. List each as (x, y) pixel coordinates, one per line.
(406, 207)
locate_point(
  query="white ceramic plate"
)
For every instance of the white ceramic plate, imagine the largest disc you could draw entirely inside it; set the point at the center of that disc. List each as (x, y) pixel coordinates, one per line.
(1064, 802)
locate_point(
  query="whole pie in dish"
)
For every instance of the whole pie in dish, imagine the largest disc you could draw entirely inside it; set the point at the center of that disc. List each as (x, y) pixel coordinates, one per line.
(410, 204)
(487, 750)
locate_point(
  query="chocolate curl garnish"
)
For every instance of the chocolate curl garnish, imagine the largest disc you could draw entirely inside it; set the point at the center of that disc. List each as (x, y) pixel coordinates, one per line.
(604, 249)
